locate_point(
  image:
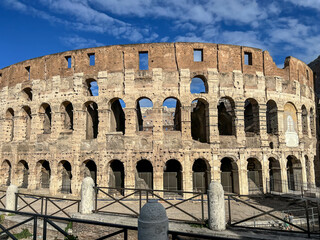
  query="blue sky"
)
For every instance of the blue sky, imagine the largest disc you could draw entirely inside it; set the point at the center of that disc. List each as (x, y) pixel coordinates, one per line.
(39, 27)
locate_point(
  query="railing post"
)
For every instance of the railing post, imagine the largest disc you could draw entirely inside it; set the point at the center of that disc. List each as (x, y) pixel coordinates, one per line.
(307, 216)
(87, 196)
(44, 234)
(46, 207)
(11, 198)
(139, 200)
(35, 228)
(229, 210)
(41, 205)
(318, 207)
(202, 207)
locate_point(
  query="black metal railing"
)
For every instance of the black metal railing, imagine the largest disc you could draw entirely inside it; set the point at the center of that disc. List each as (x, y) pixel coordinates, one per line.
(2, 197)
(46, 205)
(133, 200)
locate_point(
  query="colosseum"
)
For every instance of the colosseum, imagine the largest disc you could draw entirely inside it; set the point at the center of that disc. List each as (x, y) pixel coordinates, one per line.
(170, 116)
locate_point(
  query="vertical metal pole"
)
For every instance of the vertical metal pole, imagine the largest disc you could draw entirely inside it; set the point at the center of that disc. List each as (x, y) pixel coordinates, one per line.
(35, 228)
(147, 196)
(41, 205)
(312, 215)
(229, 210)
(301, 191)
(78, 209)
(318, 208)
(202, 207)
(307, 216)
(44, 234)
(139, 200)
(16, 204)
(96, 201)
(46, 207)
(125, 234)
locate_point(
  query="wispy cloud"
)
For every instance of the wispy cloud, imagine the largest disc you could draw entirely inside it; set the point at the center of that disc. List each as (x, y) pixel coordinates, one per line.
(76, 42)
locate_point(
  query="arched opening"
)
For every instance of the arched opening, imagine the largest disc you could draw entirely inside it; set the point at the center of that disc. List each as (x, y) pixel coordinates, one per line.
(117, 117)
(272, 117)
(9, 126)
(199, 85)
(66, 177)
(251, 117)
(91, 87)
(226, 116)
(67, 115)
(201, 175)
(312, 125)
(145, 115)
(290, 125)
(144, 175)
(90, 170)
(27, 94)
(6, 173)
(22, 173)
(229, 175)
(45, 116)
(304, 115)
(44, 169)
(92, 120)
(171, 114)
(275, 175)
(200, 120)
(172, 177)
(294, 173)
(116, 176)
(255, 183)
(26, 117)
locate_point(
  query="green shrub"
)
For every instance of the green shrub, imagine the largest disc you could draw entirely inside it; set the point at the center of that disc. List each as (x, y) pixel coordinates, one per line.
(24, 234)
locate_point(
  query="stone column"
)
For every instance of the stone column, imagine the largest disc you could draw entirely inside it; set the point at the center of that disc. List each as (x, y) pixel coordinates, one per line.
(186, 122)
(153, 222)
(239, 122)
(11, 199)
(87, 196)
(216, 207)
(263, 125)
(131, 121)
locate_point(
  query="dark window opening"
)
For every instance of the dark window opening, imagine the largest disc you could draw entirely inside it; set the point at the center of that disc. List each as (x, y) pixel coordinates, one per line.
(251, 117)
(144, 175)
(27, 117)
(307, 73)
(90, 170)
(45, 114)
(27, 94)
(312, 125)
(171, 114)
(92, 120)
(201, 176)
(22, 173)
(198, 85)
(6, 173)
(10, 124)
(28, 71)
(66, 177)
(145, 108)
(69, 61)
(198, 55)
(92, 88)
(229, 175)
(272, 117)
(143, 61)
(275, 175)
(92, 59)
(116, 177)
(172, 177)
(294, 173)
(226, 117)
(200, 121)
(247, 58)
(117, 118)
(67, 115)
(254, 176)
(45, 174)
(304, 120)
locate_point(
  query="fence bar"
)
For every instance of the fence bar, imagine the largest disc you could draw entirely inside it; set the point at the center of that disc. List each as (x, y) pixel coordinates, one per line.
(307, 216)
(41, 205)
(35, 228)
(202, 207)
(229, 210)
(139, 201)
(44, 235)
(318, 206)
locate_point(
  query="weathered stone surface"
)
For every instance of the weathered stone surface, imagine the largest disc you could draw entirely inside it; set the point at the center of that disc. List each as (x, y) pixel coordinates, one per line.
(87, 196)
(11, 197)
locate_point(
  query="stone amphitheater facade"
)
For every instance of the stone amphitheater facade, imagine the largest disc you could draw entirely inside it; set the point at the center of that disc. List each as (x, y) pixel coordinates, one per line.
(253, 122)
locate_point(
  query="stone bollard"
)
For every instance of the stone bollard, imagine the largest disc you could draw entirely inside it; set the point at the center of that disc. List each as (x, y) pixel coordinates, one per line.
(11, 198)
(153, 222)
(216, 207)
(87, 196)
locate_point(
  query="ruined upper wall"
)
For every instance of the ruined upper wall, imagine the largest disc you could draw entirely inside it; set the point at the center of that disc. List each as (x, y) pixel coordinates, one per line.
(168, 56)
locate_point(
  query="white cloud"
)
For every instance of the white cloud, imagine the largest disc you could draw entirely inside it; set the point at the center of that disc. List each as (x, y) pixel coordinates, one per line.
(306, 3)
(76, 42)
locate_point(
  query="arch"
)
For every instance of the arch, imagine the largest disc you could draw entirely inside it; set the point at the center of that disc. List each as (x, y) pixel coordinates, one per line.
(304, 119)
(229, 175)
(290, 125)
(294, 173)
(92, 120)
(226, 116)
(27, 93)
(22, 173)
(26, 118)
(255, 183)
(171, 114)
(65, 172)
(117, 117)
(272, 117)
(44, 174)
(312, 125)
(275, 175)
(251, 117)
(200, 120)
(199, 84)
(46, 117)
(201, 175)
(144, 109)
(144, 174)
(172, 177)
(91, 87)
(6, 173)
(89, 169)
(9, 124)
(116, 176)
(67, 115)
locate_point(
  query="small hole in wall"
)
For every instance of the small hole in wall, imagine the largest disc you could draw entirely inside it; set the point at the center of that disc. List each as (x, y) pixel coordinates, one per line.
(247, 58)
(271, 145)
(68, 58)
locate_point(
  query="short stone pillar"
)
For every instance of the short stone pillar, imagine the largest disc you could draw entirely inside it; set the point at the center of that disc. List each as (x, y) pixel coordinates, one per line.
(11, 198)
(87, 196)
(216, 207)
(153, 222)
